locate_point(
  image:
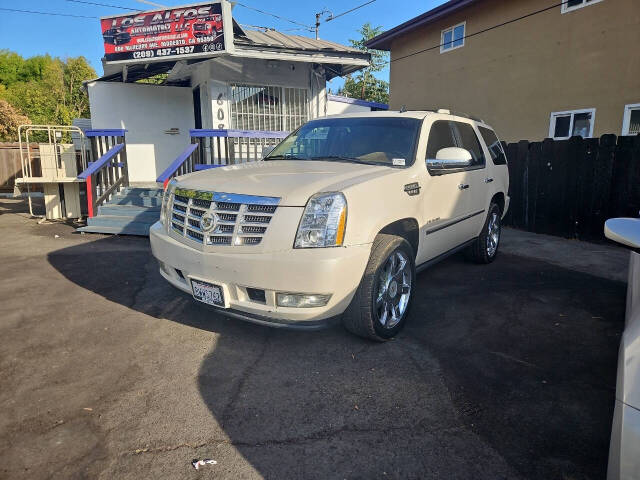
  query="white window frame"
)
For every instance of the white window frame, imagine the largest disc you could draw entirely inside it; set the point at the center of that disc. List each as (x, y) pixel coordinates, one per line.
(626, 118)
(442, 32)
(552, 121)
(566, 8)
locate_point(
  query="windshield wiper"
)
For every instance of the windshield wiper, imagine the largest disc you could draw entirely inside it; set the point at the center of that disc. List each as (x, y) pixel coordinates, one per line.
(283, 157)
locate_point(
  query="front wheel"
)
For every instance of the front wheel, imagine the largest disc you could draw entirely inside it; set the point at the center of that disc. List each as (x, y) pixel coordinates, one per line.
(485, 247)
(381, 304)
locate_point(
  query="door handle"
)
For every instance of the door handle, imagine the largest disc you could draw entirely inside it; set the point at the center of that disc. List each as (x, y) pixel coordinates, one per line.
(463, 186)
(488, 180)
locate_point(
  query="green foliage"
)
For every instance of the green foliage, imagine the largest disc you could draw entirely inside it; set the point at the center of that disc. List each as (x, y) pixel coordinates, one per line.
(47, 90)
(365, 85)
(10, 120)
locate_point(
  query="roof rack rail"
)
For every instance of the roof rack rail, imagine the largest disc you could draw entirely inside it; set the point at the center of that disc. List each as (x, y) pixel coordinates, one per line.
(445, 111)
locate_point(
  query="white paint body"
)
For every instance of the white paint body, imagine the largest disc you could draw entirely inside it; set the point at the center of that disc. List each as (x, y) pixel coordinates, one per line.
(447, 217)
(624, 451)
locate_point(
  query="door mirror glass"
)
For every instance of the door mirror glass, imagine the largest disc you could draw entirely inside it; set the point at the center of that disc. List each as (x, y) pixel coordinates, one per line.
(449, 158)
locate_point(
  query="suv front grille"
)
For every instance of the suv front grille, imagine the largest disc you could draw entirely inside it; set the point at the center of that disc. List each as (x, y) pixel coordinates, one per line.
(233, 225)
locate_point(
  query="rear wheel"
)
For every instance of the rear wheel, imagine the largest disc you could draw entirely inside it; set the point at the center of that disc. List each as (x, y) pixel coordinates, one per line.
(485, 247)
(381, 304)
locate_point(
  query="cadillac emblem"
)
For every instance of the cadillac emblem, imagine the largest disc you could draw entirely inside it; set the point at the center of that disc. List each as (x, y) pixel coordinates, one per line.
(208, 222)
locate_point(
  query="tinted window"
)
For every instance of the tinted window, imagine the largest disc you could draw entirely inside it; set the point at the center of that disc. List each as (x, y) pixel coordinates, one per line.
(494, 146)
(468, 140)
(440, 136)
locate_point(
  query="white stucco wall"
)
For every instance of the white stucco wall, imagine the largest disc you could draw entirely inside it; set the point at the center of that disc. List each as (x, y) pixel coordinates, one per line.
(146, 111)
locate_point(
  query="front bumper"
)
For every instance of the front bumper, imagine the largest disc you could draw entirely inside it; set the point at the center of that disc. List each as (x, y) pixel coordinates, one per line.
(335, 271)
(624, 451)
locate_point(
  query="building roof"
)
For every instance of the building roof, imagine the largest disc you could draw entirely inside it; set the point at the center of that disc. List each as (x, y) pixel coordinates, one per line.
(357, 101)
(383, 41)
(273, 38)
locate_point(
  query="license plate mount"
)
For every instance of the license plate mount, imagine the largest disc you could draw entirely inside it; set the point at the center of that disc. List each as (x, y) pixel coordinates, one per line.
(208, 293)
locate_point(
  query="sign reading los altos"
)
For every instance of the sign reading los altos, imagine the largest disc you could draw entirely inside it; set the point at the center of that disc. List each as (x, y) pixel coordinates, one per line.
(176, 32)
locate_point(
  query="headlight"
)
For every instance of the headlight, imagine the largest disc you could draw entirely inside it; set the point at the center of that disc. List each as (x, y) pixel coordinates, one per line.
(164, 209)
(323, 222)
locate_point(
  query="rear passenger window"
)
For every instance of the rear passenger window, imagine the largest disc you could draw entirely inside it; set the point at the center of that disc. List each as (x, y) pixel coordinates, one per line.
(468, 139)
(440, 136)
(494, 146)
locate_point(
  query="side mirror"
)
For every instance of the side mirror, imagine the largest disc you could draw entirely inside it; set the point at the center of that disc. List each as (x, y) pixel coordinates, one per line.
(449, 158)
(623, 230)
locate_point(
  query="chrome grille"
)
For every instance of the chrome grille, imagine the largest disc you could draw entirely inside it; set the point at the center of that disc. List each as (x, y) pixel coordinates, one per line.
(239, 219)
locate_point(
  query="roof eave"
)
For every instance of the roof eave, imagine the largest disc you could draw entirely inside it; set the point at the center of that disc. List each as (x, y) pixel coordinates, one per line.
(383, 41)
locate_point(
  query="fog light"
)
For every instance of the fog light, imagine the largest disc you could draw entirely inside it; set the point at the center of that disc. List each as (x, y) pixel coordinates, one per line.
(301, 300)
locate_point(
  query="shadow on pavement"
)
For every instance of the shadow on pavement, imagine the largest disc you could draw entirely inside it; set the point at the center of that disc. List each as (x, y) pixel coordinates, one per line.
(504, 370)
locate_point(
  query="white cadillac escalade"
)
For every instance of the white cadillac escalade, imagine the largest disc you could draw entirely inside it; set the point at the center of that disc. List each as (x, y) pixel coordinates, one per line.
(336, 221)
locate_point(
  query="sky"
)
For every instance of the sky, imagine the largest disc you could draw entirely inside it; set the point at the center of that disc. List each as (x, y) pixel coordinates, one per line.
(32, 34)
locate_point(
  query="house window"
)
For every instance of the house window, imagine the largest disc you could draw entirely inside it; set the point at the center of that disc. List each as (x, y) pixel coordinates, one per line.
(570, 5)
(631, 119)
(452, 37)
(279, 109)
(572, 123)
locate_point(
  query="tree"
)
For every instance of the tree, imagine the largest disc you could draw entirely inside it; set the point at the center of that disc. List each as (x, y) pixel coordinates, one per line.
(365, 85)
(48, 90)
(10, 120)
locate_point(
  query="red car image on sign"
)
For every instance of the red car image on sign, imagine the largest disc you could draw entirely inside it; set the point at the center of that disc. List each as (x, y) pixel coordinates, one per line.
(160, 34)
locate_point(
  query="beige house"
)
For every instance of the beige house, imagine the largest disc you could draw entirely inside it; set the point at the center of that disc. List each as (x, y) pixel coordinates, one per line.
(531, 68)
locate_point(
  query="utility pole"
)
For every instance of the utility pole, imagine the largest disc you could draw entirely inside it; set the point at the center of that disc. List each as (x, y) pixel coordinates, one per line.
(318, 15)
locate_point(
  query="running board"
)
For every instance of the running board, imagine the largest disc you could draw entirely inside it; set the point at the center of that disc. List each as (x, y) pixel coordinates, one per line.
(444, 255)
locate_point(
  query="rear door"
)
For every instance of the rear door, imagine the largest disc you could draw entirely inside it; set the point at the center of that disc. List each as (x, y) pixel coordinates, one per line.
(446, 200)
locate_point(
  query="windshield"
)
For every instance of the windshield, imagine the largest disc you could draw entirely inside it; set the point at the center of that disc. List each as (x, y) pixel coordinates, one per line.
(373, 140)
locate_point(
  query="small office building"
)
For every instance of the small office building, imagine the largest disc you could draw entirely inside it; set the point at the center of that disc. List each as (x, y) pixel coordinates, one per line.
(201, 70)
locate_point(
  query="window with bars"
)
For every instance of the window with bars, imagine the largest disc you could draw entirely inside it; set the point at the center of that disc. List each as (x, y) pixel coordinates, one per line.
(280, 109)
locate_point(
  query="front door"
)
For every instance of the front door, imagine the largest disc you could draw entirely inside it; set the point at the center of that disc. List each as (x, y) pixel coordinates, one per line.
(446, 200)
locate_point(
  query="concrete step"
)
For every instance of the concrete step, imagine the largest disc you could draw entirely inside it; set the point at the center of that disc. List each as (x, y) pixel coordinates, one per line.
(135, 200)
(132, 229)
(120, 221)
(142, 192)
(131, 211)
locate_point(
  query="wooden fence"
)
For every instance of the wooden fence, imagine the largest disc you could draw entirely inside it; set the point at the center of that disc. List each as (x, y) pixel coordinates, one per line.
(570, 187)
(11, 166)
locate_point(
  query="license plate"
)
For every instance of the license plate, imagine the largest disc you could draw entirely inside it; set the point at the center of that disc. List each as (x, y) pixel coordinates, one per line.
(207, 293)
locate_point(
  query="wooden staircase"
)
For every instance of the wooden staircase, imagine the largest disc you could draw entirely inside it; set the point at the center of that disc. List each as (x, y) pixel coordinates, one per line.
(131, 211)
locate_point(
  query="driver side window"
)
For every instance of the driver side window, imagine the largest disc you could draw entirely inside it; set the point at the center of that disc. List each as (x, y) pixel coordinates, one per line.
(440, 136)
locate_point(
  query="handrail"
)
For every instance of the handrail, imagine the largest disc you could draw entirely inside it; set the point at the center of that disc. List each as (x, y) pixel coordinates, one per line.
(176, 164)
(106, 132)
(98, 164)
(231, 133)
(105, 176)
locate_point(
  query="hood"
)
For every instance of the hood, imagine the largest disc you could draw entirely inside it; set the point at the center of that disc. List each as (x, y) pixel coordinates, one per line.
(294, 181)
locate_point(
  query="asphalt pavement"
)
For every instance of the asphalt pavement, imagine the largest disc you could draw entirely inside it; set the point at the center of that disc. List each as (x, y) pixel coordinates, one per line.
(106, 371)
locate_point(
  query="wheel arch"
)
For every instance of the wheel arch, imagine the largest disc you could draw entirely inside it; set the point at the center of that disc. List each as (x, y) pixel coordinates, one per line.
(406, 228)
(499, 199)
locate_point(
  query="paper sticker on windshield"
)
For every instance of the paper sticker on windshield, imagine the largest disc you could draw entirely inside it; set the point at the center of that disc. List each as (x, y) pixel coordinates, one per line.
(398, 162)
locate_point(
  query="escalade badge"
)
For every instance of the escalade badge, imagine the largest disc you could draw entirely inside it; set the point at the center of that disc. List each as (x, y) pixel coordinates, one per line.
(208, 222)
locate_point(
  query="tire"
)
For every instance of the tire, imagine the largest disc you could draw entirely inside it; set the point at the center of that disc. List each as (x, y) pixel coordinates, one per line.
(379, 308)
(485, 248)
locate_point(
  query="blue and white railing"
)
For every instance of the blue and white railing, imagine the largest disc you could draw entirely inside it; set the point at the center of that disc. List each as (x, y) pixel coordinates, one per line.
(216, 148)
(107, 172)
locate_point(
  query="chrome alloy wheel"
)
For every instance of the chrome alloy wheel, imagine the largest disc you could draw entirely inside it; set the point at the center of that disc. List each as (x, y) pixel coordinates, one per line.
(493, 234)
(394, 289)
